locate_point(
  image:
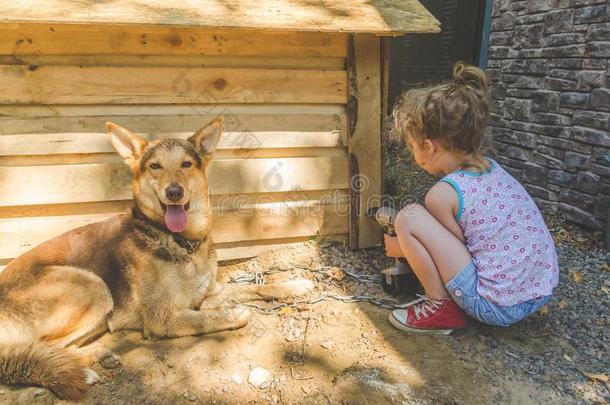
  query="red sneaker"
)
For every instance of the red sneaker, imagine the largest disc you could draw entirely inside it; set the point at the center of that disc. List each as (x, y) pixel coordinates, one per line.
(428, 315)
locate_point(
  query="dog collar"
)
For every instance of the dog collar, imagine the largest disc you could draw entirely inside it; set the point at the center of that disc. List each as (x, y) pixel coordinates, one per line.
(190, 245)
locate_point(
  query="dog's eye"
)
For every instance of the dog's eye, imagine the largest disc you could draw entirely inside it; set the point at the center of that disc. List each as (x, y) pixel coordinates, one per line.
(155, 166)
(186, 163)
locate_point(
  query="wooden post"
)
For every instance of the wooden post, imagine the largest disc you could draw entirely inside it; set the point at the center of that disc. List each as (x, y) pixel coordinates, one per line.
(364, 136)
(385, 95)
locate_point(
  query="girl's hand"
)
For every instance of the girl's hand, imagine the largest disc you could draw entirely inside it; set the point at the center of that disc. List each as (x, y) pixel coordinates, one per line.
(392, 248)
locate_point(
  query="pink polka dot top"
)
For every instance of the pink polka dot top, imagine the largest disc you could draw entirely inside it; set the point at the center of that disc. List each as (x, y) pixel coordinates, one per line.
(510, 244)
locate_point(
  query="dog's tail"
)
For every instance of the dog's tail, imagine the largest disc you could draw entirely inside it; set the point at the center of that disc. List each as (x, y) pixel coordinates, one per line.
(57, 369)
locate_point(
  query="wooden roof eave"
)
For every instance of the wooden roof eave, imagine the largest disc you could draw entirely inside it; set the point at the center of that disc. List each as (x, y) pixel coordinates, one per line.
(380, 17)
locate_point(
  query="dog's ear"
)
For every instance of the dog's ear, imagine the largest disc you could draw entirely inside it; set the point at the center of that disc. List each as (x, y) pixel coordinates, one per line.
(206, 139)
(129, 145)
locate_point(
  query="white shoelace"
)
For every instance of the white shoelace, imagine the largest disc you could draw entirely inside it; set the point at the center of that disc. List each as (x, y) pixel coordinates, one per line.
(425, 306)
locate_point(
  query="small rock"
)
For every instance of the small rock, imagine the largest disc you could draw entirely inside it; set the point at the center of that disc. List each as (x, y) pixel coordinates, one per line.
(328, 345)
(189, 396)
(236, 378)
(111, 361)
(260, 377)
(336, 273)
(39, 393)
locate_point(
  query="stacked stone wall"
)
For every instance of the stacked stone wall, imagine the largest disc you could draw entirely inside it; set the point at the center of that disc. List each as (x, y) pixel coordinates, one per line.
(549, 64)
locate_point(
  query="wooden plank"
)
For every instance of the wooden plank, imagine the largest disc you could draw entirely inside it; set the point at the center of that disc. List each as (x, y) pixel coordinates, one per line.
(31, 120)
(235, 202)
(108, 182)
(383, 17)
(287, 221)
(95, 158)
(18, 235)
(364, 137)
(63, 159)
(267, 153)
(164, 110)
(129, 85)
(49, 210)
(85, 39)
(245, 136)
(245, 203)
(267, 62)
(290, 222)
(98, 142)
(246, 250)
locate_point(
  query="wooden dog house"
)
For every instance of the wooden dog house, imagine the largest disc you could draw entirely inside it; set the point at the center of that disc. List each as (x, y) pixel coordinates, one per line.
(300, 84)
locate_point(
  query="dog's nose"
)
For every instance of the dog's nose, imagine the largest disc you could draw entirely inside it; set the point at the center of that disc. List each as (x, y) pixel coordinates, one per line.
(174, 192)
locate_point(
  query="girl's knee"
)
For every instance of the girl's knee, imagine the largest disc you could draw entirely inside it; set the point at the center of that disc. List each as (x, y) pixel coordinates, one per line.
(408, 218)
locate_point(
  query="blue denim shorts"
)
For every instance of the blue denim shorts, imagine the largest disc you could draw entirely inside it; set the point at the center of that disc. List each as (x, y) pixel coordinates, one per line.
(463, 290)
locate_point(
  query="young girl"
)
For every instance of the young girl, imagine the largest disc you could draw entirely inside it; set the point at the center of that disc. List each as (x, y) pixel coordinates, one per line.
(480, 244)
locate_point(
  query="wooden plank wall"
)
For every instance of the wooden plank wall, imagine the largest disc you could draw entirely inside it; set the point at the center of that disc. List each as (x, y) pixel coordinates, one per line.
(281, 173)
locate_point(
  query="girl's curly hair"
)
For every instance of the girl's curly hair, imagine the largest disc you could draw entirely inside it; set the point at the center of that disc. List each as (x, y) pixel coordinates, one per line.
(454, 113)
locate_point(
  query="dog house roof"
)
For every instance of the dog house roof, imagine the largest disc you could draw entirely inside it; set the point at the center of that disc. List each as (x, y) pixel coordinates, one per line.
(381, 17)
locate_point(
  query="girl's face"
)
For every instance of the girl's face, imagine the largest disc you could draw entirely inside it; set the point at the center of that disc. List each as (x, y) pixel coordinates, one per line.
(423, 153)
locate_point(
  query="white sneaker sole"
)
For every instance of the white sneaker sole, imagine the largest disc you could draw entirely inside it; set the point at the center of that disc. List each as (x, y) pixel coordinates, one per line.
(398, 325)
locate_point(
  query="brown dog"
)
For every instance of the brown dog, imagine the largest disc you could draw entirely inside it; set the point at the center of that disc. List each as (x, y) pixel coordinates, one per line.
(152, 268)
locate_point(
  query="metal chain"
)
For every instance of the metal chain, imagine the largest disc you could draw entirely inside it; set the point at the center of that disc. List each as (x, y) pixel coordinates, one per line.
(386, 303)
(258, 277)
(363, 278)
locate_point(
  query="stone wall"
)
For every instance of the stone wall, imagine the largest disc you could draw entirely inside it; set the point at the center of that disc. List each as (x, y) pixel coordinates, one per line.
(549, 62)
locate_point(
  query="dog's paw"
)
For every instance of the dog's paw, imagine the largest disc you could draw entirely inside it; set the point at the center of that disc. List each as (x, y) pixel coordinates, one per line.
(94, 353)
(110, 360)
(285, 289)
(238, 316)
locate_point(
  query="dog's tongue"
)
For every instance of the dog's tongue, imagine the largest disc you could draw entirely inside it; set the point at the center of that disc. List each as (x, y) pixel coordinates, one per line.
(175, 218)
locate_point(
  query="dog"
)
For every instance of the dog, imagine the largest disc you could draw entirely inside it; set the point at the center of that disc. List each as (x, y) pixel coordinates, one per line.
(152, 268)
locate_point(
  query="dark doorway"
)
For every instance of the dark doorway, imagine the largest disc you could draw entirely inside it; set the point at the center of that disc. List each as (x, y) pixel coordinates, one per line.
(420, 59)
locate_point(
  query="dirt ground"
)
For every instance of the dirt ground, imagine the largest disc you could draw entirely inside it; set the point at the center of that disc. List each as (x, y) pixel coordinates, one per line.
(336, 352)
(328, 352)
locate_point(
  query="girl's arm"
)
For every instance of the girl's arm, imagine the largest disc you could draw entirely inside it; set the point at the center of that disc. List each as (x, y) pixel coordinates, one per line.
(442, 202)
